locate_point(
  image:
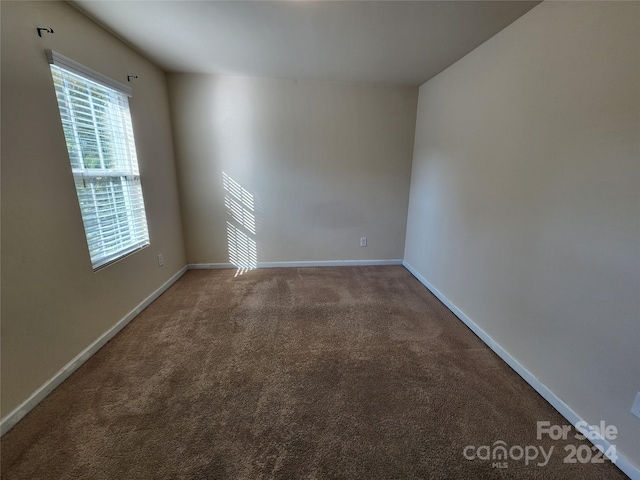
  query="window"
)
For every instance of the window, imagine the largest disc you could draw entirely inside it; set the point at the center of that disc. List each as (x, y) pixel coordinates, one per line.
(96, 120)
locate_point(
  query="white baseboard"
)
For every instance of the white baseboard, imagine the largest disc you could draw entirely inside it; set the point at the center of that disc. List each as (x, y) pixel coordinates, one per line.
(556, 402)
(319, 263)
(209, 266)
(8, 422)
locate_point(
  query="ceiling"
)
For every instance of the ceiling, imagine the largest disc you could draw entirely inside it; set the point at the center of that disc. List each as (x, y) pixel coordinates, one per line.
(394, 42)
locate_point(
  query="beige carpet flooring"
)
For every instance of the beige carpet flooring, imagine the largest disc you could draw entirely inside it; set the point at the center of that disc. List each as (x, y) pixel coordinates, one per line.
(315, 373)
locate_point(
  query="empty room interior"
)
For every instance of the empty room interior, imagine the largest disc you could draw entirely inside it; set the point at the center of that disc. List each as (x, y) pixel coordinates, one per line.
(320, 239)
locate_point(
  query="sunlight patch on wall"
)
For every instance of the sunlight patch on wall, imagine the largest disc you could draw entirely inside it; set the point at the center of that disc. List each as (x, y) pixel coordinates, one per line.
(241, 228)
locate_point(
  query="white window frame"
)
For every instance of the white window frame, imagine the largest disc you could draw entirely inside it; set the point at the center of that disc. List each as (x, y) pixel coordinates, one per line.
(125, 213)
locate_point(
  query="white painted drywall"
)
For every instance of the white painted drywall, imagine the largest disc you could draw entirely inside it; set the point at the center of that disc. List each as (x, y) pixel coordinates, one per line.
(53, 304)
(326, 163)
(525, 200)
(381, 42)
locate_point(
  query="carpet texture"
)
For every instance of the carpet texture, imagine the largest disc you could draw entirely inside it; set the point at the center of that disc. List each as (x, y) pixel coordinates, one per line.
(354, 373)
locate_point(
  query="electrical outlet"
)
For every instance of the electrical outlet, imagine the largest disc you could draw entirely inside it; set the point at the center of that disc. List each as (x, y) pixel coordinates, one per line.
(363, 241)
(160, 260)
(635, 409)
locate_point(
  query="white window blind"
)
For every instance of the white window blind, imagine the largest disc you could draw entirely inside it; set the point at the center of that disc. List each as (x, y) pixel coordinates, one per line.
(97, 127)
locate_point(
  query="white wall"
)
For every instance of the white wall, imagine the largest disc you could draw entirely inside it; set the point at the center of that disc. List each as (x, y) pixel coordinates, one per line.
(525, 196)
(53, 304)
(327, 163)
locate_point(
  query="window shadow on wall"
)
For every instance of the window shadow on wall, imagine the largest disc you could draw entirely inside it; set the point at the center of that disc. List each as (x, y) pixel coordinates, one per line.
(241, 226)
